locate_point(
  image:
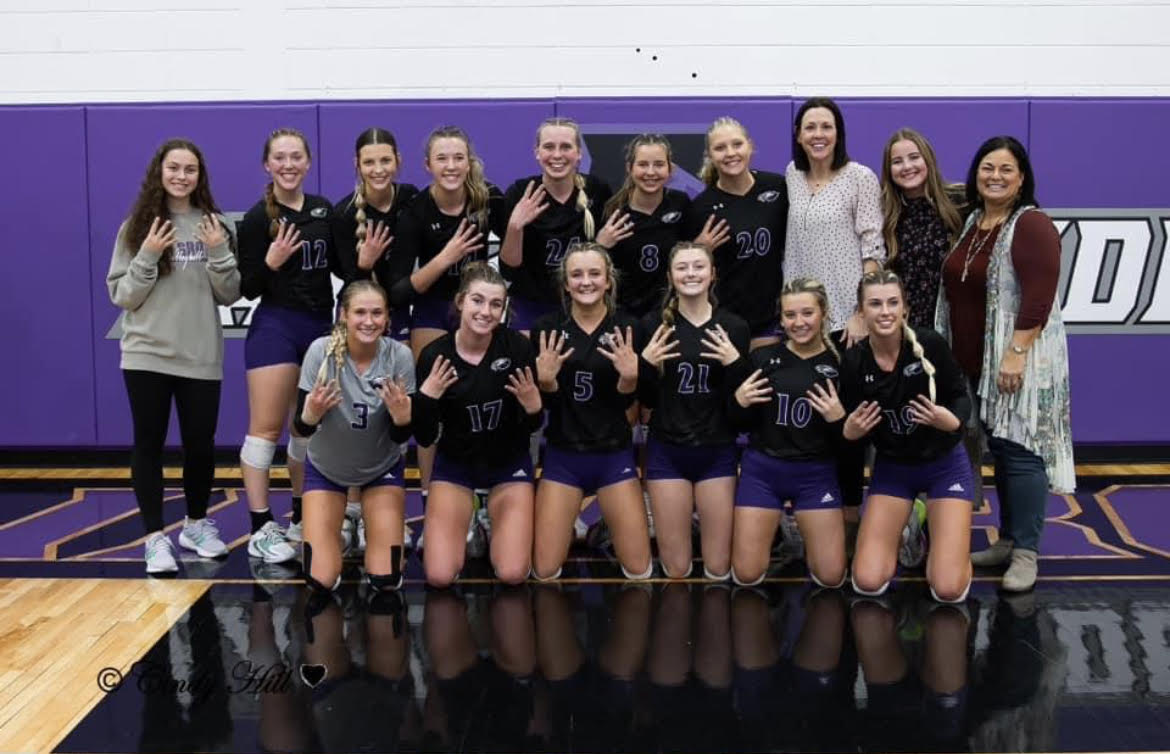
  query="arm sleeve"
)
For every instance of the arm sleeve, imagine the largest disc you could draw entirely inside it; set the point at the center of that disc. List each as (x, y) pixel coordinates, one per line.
(949, 382)
(424, 410)
(848, 390)
(1036, 259)
(304, 430)
(255, 275)
(131, 276)
(404, 251)
(223, 269)
(742, 419)
(404, 372)
(738, 370)
(341, 264)
(345, 240)
(867, 217)
(498, 213)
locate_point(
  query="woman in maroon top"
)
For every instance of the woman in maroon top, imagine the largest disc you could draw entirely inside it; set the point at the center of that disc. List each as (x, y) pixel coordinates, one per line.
(999, 291)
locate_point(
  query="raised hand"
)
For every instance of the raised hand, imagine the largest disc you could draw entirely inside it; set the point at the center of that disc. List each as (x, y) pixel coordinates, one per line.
(617, 228)
(467, 240)
(211, 232)
(661, 347)
(160, 237)
(826, 402)
(863, 419)
(397, 401)
(550, 359)
(522, 384)
(288, 237)
(531, 206)
(855, 329)
(719, 346)
(620, 353)
(928, 413)
(321, 399)
(442, 376)
(755, 389)
(375, 243)
(714, 234)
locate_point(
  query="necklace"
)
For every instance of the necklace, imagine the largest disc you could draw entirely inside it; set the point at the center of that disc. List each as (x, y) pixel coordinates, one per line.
(974, 248)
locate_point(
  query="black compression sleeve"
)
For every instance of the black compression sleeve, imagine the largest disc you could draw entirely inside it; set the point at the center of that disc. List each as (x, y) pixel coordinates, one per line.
(304, 430)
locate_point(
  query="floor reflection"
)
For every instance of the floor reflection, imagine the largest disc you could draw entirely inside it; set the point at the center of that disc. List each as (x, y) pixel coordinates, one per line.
(588, 668)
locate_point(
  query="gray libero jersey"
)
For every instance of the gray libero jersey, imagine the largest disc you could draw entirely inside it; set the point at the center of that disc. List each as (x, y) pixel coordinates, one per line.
(352, 445)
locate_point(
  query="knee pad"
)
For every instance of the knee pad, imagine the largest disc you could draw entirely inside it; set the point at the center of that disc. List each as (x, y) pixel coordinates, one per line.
(740, 582)
(298, 447)
(812, 575)
(257, 452)
(393, 581)
(544, 579)
(956, 601)
(875, 593)
(640, 576)
(690, 568)
(715, 576)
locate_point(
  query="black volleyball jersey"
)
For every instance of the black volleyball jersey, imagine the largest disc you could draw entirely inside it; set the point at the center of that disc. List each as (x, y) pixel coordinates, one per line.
(587, 413)
(482, 423)
(548, 237)
(787, 426)
(423, 231)
(748, 264)
(302, 282)
(641, 259)
(897, 437)
(385, 269)
(689, 396)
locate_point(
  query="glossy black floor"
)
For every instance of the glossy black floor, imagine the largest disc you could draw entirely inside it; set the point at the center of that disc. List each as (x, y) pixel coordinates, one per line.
(1074, 666)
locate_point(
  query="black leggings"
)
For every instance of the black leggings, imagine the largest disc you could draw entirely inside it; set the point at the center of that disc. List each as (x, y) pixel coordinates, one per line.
(197, 404)
(851, 455)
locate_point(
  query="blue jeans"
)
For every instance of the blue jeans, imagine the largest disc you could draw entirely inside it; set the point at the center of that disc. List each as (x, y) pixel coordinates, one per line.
(1021, 483)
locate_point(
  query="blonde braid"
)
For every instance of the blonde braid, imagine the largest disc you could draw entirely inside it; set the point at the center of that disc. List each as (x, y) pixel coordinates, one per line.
(670, 307)
(583, 206)
(271, 210)
(920, 354)
(359, 202)
(335, 350)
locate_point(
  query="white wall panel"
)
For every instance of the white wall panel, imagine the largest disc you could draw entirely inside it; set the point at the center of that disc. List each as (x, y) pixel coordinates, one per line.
(146, 50)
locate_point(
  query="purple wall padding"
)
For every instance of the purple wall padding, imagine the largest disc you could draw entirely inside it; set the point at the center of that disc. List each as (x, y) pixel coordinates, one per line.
(72, 173)
(121, 142)
(45, 302)
(503, 134)
(1101, 153)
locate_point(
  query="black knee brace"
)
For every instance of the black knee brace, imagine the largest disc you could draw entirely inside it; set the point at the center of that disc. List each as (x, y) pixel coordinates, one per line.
(390, 582)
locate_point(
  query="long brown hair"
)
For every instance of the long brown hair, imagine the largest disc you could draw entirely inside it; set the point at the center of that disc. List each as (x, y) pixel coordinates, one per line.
(618, 200)
(670, 301)
(270, 208)
(936, 191)
(152, 200)
(370, 137)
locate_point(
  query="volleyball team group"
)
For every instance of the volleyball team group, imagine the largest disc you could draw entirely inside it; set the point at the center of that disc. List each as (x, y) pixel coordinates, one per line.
(826, 313)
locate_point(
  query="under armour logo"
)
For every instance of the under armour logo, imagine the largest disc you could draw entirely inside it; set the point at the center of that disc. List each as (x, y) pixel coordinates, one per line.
(436, 226)
(869, 378)
(775, 361)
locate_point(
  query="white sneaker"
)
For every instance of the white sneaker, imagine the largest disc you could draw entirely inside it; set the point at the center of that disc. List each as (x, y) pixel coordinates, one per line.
(203, 537)
(407, 536)
(912, 551)
(271, 545)
(580, 529)
(160, 554)
(476, 541)
(295, 532)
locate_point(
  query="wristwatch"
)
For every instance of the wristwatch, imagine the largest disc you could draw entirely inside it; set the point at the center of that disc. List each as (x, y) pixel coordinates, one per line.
(1018, 349)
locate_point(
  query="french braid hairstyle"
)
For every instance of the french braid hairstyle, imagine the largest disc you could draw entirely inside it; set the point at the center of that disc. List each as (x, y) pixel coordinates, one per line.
(270, 208)
(889, 277)
(370, 136)
(893, 201)
(475, 185)
(670, 302)
(708, 173)
(817, 289)
(611, 274)
(152, 200)
(578, 179)
(337, 347)
(480, 271)
(619, 200)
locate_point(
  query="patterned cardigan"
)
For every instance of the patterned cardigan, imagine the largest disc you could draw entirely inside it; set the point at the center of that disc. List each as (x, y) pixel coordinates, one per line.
(1037, 416)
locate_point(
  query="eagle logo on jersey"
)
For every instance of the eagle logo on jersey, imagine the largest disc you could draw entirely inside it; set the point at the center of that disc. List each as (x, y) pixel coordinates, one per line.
(671, 217)
(768, 196)
(912, 369)
(319, 211)
(501, 364)
(606, 339)
(826, 371)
